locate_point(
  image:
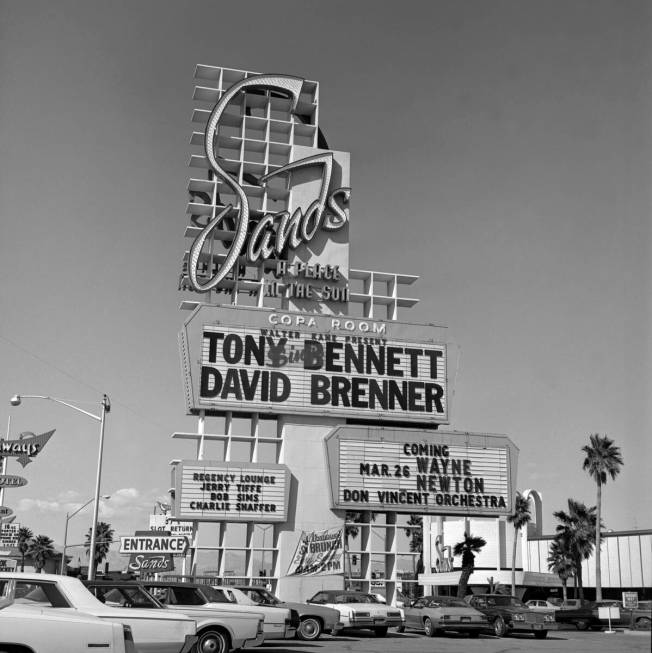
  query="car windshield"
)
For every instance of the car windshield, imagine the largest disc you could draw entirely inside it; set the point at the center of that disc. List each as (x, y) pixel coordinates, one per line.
(129, 597)
(506, 601)
(442, 602)
(261, 596)
(213, 596)
(356, 598)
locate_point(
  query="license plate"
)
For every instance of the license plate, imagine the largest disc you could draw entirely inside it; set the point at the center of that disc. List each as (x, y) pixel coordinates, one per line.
(465, 619)
(538, 626)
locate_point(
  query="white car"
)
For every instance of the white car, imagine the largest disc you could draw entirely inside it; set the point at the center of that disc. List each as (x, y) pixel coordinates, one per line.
(154, 631)
(22, 630)
(360, 610)
(280, 623)
(181, 595)
(218, 631)
(539, 605)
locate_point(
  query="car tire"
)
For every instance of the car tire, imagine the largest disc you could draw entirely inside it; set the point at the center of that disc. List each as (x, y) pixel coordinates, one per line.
(540, 634)
(400, 629)
(380, 631)
(309, 629)
(428, 627)
(582, 624)
(212, 641)
(643, 623)
(500, 628)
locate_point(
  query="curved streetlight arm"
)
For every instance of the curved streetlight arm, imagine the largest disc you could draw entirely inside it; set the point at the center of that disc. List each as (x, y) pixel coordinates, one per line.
(106, 407)
(60, 401)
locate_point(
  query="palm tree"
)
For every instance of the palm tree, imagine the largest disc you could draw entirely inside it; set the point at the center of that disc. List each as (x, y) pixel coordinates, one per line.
(24, 537)
(41, 549)
(103, 541)
(520, 518)
(561, 563)
(576, 530)
(467, 548)
(603, 460)
(415, 532)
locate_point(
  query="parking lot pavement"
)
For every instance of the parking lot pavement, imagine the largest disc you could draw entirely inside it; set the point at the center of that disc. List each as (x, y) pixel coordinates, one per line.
(564, 640)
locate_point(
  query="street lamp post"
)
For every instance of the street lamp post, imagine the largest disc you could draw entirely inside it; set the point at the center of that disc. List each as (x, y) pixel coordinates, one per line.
(106, 407)
(65, 533)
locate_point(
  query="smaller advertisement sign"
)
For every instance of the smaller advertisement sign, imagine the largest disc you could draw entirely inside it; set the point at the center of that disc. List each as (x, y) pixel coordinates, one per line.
(318, 553)
(27, 446)
(630, 600)
(152, 553)
(208, 490)
(9, 535)
(5, 511)
(7, 480)
(8, 564)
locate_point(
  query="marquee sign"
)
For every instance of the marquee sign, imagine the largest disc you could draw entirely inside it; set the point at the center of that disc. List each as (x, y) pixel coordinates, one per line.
(250, 359)
(27, 447)
(225, 491)
(421, 471)
(8, 480)
(276, 197)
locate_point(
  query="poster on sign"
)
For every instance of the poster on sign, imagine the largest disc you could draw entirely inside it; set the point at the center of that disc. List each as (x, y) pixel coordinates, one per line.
(318, 553)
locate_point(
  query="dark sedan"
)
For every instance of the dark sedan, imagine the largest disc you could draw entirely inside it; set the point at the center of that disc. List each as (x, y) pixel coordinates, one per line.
(507, 614)
(436, 614)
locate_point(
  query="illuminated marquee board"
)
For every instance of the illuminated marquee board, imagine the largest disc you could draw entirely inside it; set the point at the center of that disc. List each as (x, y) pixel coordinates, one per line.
(421, 471)
(247, 359)
(218, 491)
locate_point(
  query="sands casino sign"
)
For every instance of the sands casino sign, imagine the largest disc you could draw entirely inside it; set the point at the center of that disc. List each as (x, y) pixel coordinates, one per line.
(314, 204)
(272, 220)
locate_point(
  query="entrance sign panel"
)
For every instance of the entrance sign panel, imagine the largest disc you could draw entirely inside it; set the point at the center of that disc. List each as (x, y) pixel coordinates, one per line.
(249, 359)
(219, 491)
(428, 472)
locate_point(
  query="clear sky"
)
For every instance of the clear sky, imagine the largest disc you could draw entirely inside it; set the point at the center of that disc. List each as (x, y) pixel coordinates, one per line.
(500, 150)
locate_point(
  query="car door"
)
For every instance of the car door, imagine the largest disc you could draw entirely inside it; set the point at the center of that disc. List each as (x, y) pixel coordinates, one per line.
(413, 614)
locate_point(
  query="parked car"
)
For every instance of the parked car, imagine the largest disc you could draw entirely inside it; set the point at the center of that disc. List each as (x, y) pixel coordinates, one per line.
(587, 615)
(643, 615)
(313, 619)
(154, 631)
(436, 614)
(360, 610)
(507, 614)
(218, 630)
(280, 622)
(542, 605)
(22, 630)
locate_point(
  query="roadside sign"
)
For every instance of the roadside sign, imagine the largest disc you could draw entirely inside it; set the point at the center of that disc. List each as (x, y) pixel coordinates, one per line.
(630, 600)
(609, 612)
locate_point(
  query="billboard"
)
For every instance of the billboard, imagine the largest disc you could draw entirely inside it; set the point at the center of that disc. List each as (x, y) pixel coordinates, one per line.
(206, 490)
(269, 361)
(420, 470)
